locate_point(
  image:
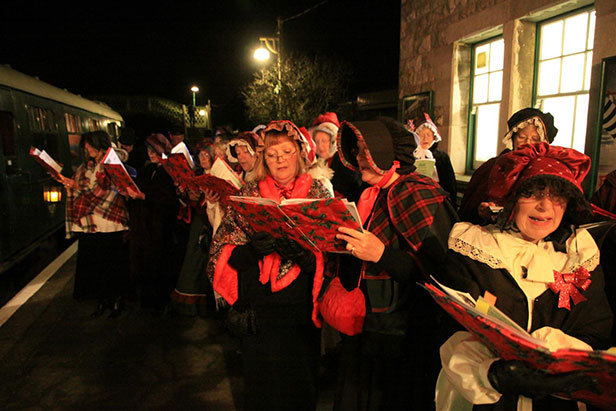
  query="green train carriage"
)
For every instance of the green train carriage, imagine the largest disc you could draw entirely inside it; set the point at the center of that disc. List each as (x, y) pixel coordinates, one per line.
(34, 113)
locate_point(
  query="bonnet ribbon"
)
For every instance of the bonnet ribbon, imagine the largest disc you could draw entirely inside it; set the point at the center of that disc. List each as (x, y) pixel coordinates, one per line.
(369, 195)
(566, 285)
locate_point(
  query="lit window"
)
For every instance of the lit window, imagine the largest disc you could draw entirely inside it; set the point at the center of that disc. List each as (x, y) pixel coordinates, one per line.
(563, 81)
(72, 123)
(487, 85)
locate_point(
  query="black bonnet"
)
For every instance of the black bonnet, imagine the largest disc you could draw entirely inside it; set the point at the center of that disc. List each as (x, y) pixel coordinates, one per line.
(387, 141)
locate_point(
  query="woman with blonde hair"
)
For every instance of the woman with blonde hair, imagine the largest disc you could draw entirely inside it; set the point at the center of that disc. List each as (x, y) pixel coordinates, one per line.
(275, 279)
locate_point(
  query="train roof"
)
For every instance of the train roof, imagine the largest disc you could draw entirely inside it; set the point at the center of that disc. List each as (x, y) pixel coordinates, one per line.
(20, 81)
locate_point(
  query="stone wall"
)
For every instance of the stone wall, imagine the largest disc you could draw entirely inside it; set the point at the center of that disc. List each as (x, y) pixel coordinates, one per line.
(435, 39)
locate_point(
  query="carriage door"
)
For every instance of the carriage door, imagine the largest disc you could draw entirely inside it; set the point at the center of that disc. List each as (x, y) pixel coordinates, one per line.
(8, 171)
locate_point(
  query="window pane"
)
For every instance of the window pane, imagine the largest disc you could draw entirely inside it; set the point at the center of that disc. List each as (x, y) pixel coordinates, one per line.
(562, 109)
(549, 73)
(575, 34)
(551, 40)
(588, 70)
(482, 57)
(591, 31)
(573, 73)
(480, 89)
(496, 86)
(497, 51)
(487, 131)
(581, 115)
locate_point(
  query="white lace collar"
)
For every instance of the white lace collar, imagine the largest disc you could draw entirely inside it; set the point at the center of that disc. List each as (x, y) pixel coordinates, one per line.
(507, 250)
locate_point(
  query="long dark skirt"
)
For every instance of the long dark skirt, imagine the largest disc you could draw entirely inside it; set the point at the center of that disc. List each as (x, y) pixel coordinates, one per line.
(193, 288)
(102, 266)
(280, 367)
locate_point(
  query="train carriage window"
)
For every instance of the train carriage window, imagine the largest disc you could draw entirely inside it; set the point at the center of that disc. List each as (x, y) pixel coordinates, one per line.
(41, 120)
(7, 136)
(113, 130)
(72, 123)
(44, 129)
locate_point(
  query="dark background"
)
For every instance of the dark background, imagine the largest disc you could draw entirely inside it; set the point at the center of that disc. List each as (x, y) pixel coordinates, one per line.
(134, 48)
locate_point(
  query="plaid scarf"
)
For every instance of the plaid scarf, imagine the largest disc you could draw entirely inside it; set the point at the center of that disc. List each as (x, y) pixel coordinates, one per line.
(94, 194)
(404, 210)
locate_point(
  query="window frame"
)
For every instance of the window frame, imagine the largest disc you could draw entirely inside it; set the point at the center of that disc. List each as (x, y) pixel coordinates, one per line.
(472, 117)
(535, 89)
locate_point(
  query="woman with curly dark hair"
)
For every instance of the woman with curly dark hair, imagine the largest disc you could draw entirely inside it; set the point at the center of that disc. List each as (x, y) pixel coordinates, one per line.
(530, 260)
(96, 212)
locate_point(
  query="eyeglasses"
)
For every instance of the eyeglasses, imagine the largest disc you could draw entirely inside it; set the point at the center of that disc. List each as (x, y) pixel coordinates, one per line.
(273, 156)
(538, 196)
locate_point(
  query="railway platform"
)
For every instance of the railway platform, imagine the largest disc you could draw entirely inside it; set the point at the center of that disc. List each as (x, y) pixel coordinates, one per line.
(54, 355)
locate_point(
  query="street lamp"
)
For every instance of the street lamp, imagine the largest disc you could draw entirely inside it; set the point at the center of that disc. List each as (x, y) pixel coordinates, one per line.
(194, 90)
(272, 45)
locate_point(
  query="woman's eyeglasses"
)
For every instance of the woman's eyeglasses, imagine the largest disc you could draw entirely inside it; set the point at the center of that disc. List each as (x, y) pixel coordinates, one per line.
(540, 195)
(274, 156)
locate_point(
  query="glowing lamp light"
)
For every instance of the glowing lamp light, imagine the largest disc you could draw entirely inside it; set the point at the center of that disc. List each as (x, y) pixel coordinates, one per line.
(52, 194)
(261, 54)
(202, 113)
(194, 89)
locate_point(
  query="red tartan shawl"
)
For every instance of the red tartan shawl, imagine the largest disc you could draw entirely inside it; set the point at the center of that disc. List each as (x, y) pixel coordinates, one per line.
(235, 230)
(411, 202)
(102, 198)
(406, 209)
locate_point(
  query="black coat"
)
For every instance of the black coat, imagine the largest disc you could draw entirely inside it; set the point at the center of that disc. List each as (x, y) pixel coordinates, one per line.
(589, 321)
(446, 175)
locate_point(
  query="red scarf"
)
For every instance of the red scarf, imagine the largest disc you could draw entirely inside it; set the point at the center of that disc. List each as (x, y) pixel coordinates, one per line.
(225, 277)
(368, 197)
(270, 189)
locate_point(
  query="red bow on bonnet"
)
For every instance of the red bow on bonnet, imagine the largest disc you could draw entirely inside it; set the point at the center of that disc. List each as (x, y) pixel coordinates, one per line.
(566, 286)
(515, 167)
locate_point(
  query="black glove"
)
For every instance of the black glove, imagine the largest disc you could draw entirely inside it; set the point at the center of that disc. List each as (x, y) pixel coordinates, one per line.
(517, 378)
(291, 250)
(263, 243)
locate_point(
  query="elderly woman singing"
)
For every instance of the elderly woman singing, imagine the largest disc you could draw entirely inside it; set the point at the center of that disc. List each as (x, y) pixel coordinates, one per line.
(525, 260)
(276, 278)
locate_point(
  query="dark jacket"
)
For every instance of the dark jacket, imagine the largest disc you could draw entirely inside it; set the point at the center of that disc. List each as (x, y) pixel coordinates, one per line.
(446, 175)
(589, 321)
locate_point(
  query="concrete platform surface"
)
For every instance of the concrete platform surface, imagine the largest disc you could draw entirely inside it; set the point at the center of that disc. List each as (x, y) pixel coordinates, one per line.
(53, 355)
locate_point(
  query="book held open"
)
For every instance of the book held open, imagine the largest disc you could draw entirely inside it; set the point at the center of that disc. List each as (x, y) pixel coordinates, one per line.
(221, 179)
(117, 173)
(509, 341)
(425, 167)
(44, 159)
(313, 223)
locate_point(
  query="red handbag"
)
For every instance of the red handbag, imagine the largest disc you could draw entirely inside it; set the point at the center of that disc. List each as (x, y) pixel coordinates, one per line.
(344, 310)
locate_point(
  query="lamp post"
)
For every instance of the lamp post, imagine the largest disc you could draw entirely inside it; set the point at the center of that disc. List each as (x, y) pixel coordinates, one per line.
(272, 45)
(194, 90)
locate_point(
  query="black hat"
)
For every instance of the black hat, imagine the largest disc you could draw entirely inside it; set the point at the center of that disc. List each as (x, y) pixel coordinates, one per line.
(387, 141)
(529, 115)
(127, 136)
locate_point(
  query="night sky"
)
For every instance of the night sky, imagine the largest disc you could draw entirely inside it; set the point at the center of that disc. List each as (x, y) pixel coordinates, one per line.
(147, 48)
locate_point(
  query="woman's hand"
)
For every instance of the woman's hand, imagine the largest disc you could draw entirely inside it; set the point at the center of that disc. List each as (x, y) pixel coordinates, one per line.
(193, 195)
(211, 196)
(67, 182)
(486, 213)
(365, 246)
(135, 195)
